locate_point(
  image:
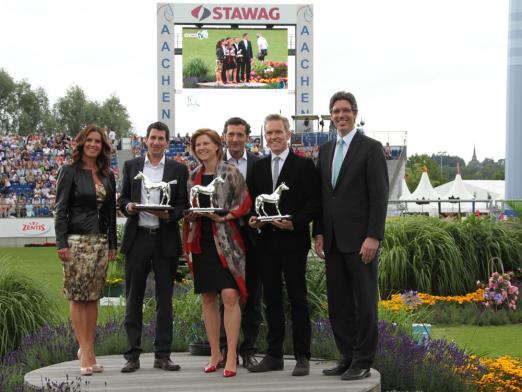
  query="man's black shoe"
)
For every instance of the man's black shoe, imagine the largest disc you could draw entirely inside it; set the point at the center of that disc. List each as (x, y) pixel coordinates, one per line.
(302, 367)
(355, 374)
(166, 364)
(131, 366)
(249, 361)
(267, 364)
(336, 370)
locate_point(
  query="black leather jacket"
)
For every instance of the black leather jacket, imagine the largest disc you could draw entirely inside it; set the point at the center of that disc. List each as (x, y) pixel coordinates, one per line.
(76, 211)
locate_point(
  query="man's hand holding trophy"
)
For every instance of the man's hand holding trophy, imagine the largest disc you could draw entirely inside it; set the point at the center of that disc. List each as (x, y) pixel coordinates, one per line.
(279, 220)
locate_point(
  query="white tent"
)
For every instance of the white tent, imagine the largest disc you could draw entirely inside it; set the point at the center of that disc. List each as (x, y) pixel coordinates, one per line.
(478, 189)
(405, 191)
(424, 191)
(458, 191)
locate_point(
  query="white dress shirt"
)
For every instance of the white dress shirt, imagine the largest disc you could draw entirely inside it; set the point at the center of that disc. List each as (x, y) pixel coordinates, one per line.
(154, 174)
(240, 163)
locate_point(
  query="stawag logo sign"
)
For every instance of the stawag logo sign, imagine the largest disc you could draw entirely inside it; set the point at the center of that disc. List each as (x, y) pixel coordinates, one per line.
(200, 13)
(236, 13)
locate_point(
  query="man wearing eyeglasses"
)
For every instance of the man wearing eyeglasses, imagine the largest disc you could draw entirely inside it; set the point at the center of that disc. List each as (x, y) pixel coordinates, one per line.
(354, 188)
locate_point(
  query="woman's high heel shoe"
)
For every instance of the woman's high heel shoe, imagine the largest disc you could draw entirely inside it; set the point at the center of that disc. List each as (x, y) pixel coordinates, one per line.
(210, 368)
(96, 368)
(86, 371)
(229, 373)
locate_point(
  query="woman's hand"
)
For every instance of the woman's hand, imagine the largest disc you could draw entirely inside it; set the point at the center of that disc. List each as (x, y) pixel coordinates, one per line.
(64, 254)
(191, 216)
(215, 217)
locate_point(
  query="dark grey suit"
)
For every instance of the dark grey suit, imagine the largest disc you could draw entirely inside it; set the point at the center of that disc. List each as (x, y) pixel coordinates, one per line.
(143, 250)
(352, 211)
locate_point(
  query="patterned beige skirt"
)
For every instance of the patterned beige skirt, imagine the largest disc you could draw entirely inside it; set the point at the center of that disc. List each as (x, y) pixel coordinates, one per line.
(84, 275)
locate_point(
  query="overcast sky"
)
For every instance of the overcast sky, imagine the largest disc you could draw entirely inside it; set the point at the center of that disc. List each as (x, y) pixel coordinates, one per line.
(435, 69)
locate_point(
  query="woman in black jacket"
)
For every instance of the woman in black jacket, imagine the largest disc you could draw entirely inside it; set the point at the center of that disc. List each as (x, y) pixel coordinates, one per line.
(85, 225)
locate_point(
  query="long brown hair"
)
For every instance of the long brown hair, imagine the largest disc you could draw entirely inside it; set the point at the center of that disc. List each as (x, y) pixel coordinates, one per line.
(214, 137)
(103, 161)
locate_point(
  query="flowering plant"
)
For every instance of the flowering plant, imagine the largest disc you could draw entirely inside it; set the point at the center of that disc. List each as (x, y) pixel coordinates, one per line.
(411, 299)
(499, 292)
(114, 281)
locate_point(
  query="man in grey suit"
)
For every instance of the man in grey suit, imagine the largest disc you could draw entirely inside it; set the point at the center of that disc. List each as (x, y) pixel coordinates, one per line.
(354, 188)
(236, 132)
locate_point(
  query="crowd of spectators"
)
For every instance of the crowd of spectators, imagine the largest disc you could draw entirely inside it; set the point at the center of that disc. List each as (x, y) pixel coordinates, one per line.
(28, 171)
(29, 167)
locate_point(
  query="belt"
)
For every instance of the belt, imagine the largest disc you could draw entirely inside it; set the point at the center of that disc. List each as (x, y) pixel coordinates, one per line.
(149, 230)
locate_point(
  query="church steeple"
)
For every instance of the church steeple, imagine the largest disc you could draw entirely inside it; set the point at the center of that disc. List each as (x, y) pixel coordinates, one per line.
(474, 160)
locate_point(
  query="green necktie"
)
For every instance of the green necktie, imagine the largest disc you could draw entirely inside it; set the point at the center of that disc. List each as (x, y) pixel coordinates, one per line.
(338, 161)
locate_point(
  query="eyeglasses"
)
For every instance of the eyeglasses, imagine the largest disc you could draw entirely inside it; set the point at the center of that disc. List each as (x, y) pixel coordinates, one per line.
(344, 110)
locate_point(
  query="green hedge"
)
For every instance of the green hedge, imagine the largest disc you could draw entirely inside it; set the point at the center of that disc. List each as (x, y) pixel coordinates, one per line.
(24, 308)
(443, 257)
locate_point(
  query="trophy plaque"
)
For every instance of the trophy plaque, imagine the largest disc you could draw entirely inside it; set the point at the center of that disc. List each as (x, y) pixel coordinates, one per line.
(272, 198)
(209, 190)
(163, 187)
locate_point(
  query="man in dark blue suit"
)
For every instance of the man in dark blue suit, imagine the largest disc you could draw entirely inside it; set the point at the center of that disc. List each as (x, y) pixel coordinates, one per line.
(354, 189)
(151, 240)
(283, 245)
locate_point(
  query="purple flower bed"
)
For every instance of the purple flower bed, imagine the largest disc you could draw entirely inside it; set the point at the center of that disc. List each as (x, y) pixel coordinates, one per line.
(402, 362)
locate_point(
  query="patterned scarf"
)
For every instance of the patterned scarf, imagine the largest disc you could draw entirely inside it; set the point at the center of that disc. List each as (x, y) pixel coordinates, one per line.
(233, 196)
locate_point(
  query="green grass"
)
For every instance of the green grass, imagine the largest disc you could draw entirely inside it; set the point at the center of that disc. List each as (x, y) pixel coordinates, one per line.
(491, 341)
(206, 48)
(43, 264)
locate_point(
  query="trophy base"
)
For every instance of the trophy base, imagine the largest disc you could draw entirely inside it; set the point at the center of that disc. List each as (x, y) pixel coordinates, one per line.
(273, 218)
(153, 207)
(215, 210)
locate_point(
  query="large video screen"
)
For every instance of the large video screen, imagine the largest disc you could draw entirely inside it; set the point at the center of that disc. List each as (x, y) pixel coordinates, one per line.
(235, 58)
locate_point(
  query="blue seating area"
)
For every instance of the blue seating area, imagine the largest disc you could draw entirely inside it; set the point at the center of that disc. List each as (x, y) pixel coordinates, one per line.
(21, 189)
(174, 149)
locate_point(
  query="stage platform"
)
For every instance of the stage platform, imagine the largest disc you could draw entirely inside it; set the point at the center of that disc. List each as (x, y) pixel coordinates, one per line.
(192, 378)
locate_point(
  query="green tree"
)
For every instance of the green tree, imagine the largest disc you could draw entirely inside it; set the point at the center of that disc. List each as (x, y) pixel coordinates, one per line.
(115, 116)
(71, 111)
(415, 166)
(7, 102)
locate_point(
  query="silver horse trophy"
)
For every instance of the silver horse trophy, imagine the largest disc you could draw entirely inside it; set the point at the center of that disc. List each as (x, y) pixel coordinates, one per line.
(209, 190)
(272, 198)
(162, 186)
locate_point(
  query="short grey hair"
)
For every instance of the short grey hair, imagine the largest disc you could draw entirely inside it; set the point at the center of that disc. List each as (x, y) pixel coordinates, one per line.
(278, 117)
